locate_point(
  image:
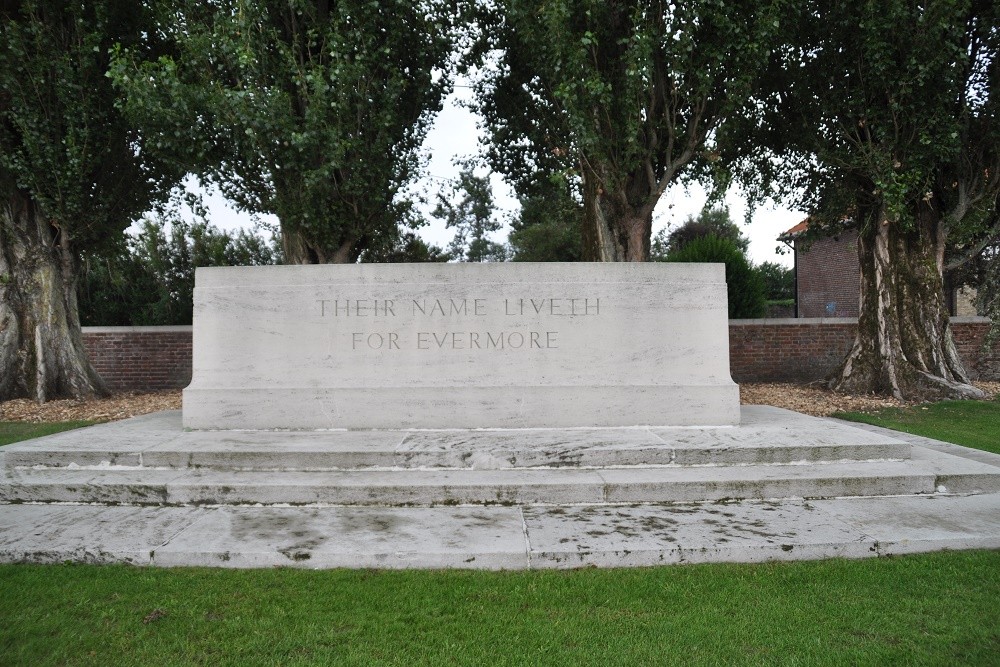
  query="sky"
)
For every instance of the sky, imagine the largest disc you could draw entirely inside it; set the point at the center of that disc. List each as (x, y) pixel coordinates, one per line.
(454, 135)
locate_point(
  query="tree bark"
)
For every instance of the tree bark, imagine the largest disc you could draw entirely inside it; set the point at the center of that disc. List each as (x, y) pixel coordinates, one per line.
(298, 249)
(617, 225)
(41, 344)
(904, 346)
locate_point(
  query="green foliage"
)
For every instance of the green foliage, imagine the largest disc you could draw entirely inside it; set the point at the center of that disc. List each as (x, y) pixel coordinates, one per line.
(623, 94)
(710, 222)
(830, 612)
(548, 226)
(149, 279)
(744, 286)
(63, 143)
(968, 423)
(468, 209)
(779, 281)
(312, 111)
(408, 247)
(880, 107)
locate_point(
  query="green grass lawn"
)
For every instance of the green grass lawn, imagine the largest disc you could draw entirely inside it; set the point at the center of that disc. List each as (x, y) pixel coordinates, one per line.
(15, 431)
(935, 609)
(970, 423)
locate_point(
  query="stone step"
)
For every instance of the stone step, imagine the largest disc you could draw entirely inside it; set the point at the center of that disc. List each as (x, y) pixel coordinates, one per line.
(766, 436)
(497, 537)
(937, 474)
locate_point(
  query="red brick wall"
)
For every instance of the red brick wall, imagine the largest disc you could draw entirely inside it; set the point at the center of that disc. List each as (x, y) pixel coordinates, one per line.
(789, 350)
(803, 350)
(828, 278)
(969, 334)
(140, 358)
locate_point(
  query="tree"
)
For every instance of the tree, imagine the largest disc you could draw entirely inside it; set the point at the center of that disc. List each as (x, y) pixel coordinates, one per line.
(407, 247)
(149, 278)
(311, 110)
(710, 222)
(548, 226)
(73, 175)
(744, 286)
(885, 115)
(468, 209)
(779, 281)
(626, 94)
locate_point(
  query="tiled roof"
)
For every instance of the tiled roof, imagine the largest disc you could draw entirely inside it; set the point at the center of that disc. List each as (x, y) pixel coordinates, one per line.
(801, 227)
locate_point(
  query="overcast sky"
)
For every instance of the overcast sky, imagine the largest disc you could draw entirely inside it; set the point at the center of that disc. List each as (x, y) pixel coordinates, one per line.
(454, 134)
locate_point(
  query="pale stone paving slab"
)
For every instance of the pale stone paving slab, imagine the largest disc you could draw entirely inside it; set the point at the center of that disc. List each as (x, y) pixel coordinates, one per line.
(467, 537)
(88, 534)
(628, 536)
(769, 436)
(926, 474)
(978, 455)
(773, 435)
(763, 482)
(496, 537)
(525, 448)
(119, 443)
(919, 524)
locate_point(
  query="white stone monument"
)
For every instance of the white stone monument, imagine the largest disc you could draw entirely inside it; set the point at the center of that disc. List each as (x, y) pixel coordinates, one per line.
(388, 346)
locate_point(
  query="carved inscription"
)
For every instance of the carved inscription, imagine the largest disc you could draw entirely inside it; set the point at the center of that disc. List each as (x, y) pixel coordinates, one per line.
(441, 324)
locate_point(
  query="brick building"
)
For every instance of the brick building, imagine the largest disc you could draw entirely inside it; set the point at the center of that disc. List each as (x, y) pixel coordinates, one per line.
(828, 276)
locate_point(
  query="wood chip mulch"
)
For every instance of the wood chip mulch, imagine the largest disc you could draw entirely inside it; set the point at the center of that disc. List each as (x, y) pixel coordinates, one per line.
(113, 408)
(814, 399)
(809, 399)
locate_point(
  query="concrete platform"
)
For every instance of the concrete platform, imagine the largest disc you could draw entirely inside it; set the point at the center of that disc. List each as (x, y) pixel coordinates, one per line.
(782, 486)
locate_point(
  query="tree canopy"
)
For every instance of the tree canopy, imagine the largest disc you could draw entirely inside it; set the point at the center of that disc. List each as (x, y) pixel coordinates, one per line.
(312, 111)
(548, 226)
(148, 279)
(711, 221)
(468, 209)
(626, 95)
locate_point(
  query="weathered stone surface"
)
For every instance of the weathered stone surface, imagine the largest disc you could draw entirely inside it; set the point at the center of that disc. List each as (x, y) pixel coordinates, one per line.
(460, 346)
(624, 536)
(498, 537)
(542, 497)
(460, 537)
(766, 436)
(88, 534)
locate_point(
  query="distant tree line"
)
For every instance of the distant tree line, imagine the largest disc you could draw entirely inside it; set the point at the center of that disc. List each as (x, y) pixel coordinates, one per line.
(148, 279)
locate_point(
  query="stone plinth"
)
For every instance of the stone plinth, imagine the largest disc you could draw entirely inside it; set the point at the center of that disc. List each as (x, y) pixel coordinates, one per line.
(460, 346)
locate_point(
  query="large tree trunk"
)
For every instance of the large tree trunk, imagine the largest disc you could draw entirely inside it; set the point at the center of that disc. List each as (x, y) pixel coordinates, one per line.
(618, 225)
(904, 345)
(41, 345)
(299, 249)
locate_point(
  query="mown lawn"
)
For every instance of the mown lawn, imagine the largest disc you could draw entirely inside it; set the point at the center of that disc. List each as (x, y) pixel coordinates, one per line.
(935, 609)
(15, 431)
(970, 423)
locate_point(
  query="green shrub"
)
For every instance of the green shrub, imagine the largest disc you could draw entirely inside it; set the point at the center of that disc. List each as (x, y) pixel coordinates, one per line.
(744, 286)
(779, 281)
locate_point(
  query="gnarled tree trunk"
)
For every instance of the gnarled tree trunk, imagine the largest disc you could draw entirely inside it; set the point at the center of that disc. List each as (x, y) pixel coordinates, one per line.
(618, 224)
(904, 345)
(41, 345)
(299, 249)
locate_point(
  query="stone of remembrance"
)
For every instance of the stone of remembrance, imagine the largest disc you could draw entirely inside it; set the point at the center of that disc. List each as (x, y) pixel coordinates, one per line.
(390, 346)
